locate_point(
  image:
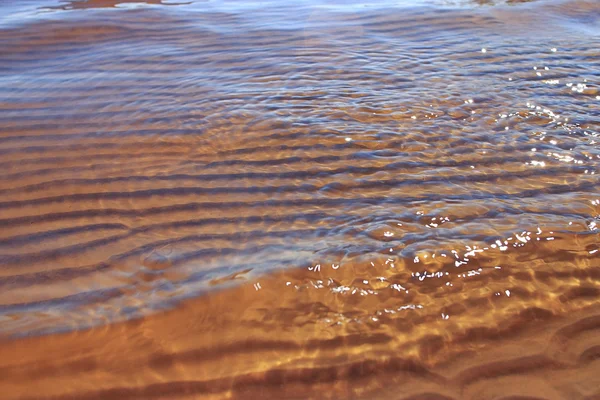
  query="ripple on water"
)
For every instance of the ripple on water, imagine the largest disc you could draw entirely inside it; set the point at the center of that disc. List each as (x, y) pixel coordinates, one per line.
(311, 200)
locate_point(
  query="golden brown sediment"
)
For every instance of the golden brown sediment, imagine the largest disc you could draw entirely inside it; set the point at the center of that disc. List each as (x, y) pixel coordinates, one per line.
(386, 204)
(283, 341)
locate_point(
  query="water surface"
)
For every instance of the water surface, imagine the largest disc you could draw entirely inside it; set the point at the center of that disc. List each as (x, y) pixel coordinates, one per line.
(237, 199)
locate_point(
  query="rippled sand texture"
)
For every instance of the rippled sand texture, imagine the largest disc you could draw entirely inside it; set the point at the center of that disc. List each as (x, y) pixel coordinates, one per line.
(225, 200)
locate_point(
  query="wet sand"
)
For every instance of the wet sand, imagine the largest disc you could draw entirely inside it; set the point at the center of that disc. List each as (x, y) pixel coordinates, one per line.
(309, 200)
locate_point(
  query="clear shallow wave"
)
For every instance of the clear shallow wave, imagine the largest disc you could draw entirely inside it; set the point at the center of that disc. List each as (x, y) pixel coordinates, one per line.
(336, 192)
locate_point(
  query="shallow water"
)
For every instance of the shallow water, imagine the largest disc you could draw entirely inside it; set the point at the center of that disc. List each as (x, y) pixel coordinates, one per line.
(304, 200)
